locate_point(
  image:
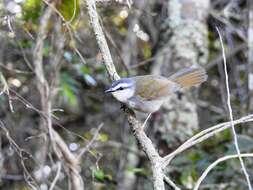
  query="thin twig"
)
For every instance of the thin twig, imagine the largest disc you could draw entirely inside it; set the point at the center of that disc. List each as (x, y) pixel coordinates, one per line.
(171, 183)
(250, 55)
(231, 113)
(27, 175)
(87, 147)
(211, 166)
(146, 120)
(59, 165)
(203, 135)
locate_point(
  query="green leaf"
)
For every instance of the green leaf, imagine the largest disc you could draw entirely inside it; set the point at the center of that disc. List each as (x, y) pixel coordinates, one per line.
(98, 174)
(70, 95)
(140, 171)
(68, 88)
(69, 9)
(85, 70)
(108, 177)
(32, 9)
(103, 137)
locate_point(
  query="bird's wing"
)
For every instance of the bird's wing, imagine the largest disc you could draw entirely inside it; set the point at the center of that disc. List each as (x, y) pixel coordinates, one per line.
(150, 87)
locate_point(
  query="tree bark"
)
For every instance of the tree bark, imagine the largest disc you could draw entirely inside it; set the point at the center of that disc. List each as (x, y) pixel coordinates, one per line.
(186, 46)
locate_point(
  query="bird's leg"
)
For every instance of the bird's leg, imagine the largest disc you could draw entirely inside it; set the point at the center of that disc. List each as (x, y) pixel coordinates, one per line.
(146, 120)
(179, 94)
(124, 107)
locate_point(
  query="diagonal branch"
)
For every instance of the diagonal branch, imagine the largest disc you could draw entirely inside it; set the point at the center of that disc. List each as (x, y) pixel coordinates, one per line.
(146, 144)
(202, 136)
(87, 147)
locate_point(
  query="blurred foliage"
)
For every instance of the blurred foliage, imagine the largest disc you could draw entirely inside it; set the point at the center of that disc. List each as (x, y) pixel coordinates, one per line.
(81, 85)
(69, 9)
(32, 10)
(68, 88)
(99, 175)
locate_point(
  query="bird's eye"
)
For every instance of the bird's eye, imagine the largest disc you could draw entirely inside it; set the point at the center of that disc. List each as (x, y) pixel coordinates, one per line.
(120, 88)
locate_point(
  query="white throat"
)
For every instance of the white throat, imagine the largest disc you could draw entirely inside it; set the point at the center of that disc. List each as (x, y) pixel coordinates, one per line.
(123, 95)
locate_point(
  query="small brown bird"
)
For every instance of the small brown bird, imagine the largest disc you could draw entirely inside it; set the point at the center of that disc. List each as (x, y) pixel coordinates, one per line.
(148, 92)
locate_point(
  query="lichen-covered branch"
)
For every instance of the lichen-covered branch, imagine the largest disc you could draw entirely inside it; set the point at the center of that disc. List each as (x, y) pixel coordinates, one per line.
(146, 144)
(108, 62)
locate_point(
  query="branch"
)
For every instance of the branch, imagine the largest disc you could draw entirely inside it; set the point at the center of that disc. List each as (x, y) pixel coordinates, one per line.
(250, 55)
(145, 142)
(94, 19)
(59, 165)
(231, 114)
(87, 147)
(121, 2)
(171, 183)
(203, 135)
(59, 146)
(210, 167)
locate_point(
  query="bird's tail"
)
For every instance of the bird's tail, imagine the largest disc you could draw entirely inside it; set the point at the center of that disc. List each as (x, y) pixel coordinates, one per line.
(189, 77)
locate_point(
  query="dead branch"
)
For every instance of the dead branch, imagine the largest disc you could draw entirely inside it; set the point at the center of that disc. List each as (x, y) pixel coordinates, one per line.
(59, 146)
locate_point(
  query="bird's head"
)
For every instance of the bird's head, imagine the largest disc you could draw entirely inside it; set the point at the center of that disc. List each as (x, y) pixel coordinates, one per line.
(122, 89)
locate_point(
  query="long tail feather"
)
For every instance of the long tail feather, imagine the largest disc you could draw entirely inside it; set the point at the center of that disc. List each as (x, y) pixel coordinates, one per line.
(189, 77)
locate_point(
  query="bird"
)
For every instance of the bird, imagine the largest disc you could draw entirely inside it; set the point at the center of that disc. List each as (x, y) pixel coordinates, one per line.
(147, 93)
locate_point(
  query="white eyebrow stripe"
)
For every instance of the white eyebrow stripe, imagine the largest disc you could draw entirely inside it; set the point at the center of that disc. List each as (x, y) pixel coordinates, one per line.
(124, 85)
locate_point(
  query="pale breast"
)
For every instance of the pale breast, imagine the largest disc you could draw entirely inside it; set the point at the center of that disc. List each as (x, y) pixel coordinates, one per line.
(139, 104)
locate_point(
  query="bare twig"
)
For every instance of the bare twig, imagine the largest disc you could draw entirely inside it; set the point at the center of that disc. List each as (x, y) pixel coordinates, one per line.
(231, 114)
(250, 55)
(68, 26)
(27, 175)
(59, 146)
(6, 90)
(203, 135)
(219, 58)
(136, 126)
(121, 2)
(171, 183)
(210, 167)
(59, 165)
(87, 147)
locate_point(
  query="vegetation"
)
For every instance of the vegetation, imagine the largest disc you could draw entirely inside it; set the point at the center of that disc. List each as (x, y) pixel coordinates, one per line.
(59, 130)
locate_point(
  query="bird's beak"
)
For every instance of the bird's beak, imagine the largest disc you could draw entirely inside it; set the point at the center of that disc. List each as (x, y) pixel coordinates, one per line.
(109, 90)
